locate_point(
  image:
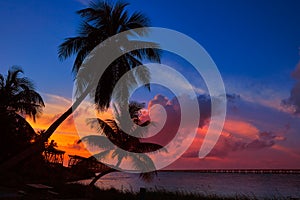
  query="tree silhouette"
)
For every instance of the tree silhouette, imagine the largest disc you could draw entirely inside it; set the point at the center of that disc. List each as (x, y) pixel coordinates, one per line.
(100, 21)
(122, 145)
(17, 94)
(17, 98)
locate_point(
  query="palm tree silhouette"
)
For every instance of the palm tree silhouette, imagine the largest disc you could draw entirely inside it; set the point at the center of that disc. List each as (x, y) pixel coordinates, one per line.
(129, 147)
(100, 21)
(17, 94)
(18, 98)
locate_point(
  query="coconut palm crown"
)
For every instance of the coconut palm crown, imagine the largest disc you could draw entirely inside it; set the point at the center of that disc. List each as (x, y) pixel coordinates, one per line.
(17, 94)
(102, 20)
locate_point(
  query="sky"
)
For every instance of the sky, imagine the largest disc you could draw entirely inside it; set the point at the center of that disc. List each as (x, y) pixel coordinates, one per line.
(255, 45)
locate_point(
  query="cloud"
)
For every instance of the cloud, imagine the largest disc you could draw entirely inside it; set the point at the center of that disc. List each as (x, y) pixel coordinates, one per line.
(268, 92)
(240, 129)
(229, 143)
(173, 115)
(265, 139)
(170, 127)
(51, 98)
(293, 101)
(244, 131)
(251, 126)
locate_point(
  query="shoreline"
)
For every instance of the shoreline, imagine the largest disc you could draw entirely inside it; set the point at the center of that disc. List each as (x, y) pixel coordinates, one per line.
(80, 191)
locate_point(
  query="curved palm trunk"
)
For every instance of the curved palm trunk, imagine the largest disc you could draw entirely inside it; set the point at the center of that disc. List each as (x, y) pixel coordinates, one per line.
(104, 173)
(38, 146)
(92, 183)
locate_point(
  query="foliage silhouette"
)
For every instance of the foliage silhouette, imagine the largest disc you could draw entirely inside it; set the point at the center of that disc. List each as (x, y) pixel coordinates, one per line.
(18, 98)
(100, 21)
(111, 137)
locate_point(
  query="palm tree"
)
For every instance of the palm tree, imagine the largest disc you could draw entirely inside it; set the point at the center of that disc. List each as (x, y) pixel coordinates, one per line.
(17, 98)
(17, 94)
(101, 20)
(131, 146)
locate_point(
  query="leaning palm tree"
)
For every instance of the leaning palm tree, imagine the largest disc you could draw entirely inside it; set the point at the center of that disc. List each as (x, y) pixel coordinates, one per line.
(116, 144)
(18, 98)
(101, 20)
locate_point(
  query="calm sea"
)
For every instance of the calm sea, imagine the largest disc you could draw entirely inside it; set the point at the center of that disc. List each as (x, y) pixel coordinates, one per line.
(224, 184)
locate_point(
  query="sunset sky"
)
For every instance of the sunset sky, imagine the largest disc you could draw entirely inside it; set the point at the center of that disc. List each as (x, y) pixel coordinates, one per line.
(255, 45)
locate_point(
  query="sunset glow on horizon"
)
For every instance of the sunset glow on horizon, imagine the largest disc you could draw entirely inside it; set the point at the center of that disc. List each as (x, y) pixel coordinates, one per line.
(244, 142)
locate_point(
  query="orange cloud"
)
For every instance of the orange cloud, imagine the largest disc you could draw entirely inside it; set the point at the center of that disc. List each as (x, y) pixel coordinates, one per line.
(237, 146)
(240, 128)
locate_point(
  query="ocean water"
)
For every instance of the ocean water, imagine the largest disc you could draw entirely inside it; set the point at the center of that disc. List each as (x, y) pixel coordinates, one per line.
(223, 184)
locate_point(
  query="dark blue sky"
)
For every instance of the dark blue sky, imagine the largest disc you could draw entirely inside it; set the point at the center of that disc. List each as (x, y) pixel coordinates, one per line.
(256, 41)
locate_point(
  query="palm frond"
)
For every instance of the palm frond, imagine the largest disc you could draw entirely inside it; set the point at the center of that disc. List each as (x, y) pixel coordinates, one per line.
(134, 107)
(2, 80)
(25, 83)
(146, 50)
(89, 14)
(119, 12)
(86, 29)
(81, 55)
(14, 73)
(113, 125)
(101, 127)
(143, 163)
(18, 95)
(137, 20)
(98, 141)
(103, 154)
(144, 147)
(71, 46)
